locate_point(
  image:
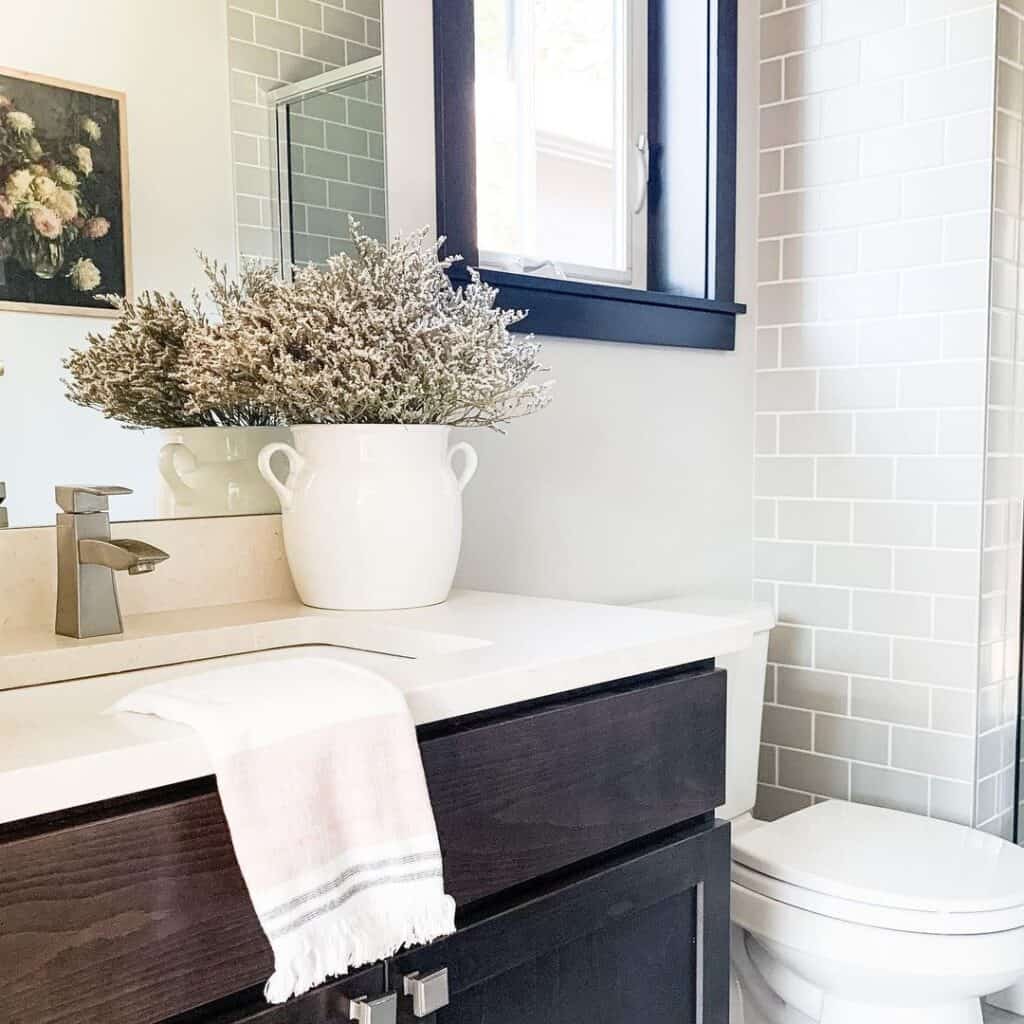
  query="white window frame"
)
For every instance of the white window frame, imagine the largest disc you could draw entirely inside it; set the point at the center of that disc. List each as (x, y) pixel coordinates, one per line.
(631, 186)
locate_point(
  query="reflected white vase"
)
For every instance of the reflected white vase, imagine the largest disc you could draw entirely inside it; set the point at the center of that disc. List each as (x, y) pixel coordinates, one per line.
(212, 471)
(372, 513)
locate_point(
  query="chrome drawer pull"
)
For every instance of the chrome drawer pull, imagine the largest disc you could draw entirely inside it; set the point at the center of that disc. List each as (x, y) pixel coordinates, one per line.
(429, 994)
(374, 1011)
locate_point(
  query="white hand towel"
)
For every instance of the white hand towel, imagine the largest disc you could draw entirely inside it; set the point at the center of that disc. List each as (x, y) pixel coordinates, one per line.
(322, 784)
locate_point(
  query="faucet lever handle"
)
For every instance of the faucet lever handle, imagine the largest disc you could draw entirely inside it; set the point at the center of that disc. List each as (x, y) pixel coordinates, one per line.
(80, 498)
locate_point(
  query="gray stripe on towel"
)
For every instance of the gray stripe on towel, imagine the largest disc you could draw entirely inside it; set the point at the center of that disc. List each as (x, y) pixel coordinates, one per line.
(354, 890)
(356, 869)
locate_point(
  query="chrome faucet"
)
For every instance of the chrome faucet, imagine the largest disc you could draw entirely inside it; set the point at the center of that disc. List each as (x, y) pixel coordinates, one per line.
(87, 559)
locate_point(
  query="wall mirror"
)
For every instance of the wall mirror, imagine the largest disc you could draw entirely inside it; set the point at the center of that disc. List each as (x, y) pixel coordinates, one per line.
(165, 165)
(586, 161)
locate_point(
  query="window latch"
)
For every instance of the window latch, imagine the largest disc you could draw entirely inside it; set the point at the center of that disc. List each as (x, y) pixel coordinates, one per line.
(642, 150)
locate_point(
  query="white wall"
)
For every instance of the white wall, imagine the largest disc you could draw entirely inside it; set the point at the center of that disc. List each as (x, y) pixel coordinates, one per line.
(171, 61)
(636, 482)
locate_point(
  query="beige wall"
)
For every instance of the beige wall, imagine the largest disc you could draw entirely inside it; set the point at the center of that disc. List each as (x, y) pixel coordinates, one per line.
(212, 561)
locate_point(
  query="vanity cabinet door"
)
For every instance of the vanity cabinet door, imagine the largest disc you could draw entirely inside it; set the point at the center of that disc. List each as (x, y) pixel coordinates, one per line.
(642, 938)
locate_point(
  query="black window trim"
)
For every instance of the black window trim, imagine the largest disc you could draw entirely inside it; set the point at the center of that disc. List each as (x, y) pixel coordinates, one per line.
(577, 309)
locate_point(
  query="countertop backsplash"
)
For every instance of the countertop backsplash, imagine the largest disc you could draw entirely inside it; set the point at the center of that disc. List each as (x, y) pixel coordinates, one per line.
(213, 561)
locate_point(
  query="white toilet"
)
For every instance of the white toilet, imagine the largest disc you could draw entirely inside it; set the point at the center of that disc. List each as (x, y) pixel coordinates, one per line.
(849, 914)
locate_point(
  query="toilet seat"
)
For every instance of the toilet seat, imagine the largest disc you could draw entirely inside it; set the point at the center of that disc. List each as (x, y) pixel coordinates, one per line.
(886, 869)
(921, 922)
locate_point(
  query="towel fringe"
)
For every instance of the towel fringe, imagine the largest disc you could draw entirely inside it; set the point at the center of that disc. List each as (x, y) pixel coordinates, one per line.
(334, 944)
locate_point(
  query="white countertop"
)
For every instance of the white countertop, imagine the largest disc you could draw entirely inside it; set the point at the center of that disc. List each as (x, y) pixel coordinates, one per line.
(59, 748)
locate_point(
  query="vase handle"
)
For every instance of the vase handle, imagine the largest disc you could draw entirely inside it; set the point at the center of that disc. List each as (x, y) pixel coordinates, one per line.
(183, 494)
(284, 491)
(471, 463)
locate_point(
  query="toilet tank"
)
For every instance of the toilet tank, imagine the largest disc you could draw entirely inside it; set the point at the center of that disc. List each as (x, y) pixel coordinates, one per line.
(745, 693)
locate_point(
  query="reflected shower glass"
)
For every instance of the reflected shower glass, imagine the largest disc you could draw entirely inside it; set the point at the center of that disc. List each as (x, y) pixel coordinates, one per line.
(332, 161)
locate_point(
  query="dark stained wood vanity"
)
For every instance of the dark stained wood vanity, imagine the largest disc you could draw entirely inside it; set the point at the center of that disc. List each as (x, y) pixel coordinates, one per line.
(579, 843)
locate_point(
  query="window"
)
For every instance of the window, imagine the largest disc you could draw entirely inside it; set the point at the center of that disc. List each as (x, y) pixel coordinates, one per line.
(586, 162)
(561, 143)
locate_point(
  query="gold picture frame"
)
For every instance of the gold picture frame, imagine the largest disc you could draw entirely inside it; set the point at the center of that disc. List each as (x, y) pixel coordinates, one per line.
(119, 218)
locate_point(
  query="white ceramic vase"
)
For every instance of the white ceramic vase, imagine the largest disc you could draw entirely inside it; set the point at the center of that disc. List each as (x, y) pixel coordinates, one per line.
(212, 471)
(372, 513)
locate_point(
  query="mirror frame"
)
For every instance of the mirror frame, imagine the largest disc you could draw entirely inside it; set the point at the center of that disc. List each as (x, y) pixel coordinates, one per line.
(576, 309)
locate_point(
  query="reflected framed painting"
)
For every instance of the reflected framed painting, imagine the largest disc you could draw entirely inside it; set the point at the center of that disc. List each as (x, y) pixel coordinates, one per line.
(64, 220)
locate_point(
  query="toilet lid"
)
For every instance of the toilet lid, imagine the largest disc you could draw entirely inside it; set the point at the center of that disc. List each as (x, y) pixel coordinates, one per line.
(888, 859)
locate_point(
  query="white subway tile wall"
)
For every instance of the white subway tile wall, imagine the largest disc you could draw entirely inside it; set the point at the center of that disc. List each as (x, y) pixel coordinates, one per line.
(873, 312)
(337, 154)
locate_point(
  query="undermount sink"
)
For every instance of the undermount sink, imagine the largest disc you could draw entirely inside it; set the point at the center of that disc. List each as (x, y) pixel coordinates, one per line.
(152, 641)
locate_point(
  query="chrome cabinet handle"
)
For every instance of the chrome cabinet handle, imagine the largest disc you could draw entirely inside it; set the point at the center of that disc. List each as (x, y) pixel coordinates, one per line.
(374, 1011)
(429, 993)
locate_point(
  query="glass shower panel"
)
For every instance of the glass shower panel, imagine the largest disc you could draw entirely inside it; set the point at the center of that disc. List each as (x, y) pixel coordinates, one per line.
(997, 800)
(331, 145)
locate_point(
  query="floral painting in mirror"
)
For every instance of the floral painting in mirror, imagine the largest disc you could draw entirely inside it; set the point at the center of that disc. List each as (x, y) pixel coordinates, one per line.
(64, 229)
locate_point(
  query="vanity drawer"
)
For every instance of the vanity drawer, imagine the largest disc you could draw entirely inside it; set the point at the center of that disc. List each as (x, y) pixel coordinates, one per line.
(137, 913)
(531, 793)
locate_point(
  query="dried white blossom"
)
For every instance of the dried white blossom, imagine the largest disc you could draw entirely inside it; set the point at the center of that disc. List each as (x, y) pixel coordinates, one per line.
(379, 337)
(133, 373)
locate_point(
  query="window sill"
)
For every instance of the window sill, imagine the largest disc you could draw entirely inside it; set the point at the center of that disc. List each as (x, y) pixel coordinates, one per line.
(577, 309)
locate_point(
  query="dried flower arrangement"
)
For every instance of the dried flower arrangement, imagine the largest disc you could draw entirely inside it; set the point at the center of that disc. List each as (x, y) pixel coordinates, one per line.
(378, 337)
(135, 374)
